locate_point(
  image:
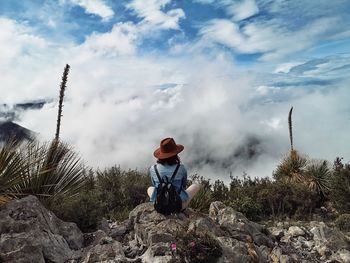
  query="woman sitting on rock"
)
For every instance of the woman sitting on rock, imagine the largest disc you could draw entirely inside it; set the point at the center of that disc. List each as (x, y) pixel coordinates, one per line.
(168, 175)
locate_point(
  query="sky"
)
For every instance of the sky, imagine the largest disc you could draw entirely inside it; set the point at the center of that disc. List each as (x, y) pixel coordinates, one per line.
(219, 76)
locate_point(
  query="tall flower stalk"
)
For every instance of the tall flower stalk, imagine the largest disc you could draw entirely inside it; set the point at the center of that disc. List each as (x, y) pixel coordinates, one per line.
(290, 128)
(60, 103)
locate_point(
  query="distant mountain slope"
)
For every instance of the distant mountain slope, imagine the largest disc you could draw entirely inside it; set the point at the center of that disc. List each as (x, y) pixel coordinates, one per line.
(12, 112)
(9, 129)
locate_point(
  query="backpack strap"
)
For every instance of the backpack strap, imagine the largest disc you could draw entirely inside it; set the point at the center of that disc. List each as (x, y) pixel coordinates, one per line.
(172, 177)
(157, 173)
(175, 172)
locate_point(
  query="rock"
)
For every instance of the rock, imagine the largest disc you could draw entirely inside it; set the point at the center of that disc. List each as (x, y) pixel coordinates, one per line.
(309, 244)
(295, 231)
(237, 224)
(277, 256)
(235, 234)
(158, 253)
(285, 239)
(234, 251)
(104, 225)
(342, 255)
(326, 236)
(312, 242)
(31, 233)
(118, 231)
(264, 253)
(109, 250)
(203, 224)
(276, 232)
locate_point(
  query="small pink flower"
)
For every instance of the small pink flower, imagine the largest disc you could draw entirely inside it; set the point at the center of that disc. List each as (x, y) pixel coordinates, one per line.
(173, 246)
(193, 243)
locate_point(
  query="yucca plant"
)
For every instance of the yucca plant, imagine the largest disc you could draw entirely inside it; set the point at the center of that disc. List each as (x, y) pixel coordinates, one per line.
(292, 168)
(53, 171)
(317, 177)
(48, 171)
(12, 169)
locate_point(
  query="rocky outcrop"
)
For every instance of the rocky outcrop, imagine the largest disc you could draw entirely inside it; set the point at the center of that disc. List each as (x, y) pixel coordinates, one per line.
(148, 237)
(30, 233)
(312, 242)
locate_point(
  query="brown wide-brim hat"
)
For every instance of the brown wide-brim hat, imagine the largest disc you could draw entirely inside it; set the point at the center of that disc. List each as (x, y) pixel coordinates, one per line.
(168, 148)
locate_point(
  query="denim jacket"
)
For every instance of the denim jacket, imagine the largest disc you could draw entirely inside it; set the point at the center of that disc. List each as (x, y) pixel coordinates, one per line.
(179, 181)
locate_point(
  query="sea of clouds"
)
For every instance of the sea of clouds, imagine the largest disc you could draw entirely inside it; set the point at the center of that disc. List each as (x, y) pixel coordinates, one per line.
(120, 102)
(117, 110)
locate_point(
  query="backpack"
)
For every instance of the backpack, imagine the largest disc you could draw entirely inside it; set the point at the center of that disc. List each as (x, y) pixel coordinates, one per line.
(168, 199)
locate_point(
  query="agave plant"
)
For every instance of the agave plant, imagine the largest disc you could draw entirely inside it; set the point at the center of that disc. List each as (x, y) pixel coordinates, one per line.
(317, 177)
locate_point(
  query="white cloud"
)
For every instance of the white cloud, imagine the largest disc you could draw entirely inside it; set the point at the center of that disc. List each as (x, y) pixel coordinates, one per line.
(125, 37)
(242, 9)
(153, 15)
(121, 40)
(262, 37)
(96, 7)
(24, 60)
(17, 40)
(286, 67)
(224, 32)
(238, 10)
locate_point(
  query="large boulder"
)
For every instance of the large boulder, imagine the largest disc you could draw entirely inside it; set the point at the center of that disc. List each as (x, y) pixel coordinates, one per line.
(31, 233)
(152, 237)
(238, 225)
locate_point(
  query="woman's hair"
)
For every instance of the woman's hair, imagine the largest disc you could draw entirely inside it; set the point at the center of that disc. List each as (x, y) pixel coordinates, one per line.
(170, 161)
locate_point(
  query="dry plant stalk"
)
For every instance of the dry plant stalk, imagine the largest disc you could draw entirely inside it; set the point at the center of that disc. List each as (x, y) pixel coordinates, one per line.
(290, 129)
(60, 104)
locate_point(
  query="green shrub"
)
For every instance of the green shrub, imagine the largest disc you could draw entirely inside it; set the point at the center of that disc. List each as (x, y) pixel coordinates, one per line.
(111, 193)
(343, 222)
(280, 199)
(121, 191)
(202, 200)
(85, 209)
(340, 186)
(249, 207)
